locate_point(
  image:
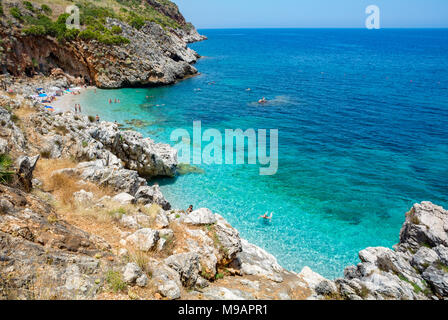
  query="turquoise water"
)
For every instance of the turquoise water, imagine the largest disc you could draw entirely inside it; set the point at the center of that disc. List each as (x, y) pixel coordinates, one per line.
(363, 130)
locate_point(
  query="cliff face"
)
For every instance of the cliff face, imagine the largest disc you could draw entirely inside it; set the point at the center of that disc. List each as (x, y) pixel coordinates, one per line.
(116, 50)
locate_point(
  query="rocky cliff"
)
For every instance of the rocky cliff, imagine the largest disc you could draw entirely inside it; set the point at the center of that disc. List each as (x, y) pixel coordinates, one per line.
(118, 45)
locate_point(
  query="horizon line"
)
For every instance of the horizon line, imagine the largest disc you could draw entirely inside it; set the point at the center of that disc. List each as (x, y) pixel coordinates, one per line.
(217, 28)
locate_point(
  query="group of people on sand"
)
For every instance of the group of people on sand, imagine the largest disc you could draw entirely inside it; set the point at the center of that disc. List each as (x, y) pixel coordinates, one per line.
(115, 101)
(77, 107)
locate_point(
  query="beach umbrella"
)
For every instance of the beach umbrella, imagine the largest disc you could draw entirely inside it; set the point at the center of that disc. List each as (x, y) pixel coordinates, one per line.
(42, 94)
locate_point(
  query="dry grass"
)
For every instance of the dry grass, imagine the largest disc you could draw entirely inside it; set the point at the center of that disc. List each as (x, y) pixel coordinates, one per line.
(24, 111)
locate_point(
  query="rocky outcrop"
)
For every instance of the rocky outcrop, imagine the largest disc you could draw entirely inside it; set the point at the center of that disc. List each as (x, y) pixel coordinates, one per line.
(25, 168)
(416, 268)
(73, 135)
(154, 55)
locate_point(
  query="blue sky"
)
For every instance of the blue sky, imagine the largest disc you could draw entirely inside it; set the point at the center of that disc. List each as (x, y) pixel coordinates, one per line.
(313, 13)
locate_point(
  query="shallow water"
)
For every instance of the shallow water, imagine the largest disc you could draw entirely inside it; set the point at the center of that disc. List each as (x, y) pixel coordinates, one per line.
(363, 130)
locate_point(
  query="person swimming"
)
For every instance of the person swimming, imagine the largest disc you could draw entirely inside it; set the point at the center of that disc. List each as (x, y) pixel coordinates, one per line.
(262, 100)
(266, 217)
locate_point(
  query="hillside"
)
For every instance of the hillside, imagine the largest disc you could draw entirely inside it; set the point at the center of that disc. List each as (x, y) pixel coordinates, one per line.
(119, 43)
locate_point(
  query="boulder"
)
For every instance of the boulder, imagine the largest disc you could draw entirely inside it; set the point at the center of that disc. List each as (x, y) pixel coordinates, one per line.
(144, 239)
(4, 149)
(131, 272)
(26, 166)
(147, 195)
(253, 260)
(130, 222)
(442, 252)
(423, 258)
(83, 197)
(187, 266)
(437, 279)
(200, 217)
(228, 240)
(426, 224)
(169, 289)
(161, 220)
(120, 180)
(124, 198)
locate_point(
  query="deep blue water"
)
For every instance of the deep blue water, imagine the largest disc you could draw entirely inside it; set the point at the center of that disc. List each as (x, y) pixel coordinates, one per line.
(363, 134)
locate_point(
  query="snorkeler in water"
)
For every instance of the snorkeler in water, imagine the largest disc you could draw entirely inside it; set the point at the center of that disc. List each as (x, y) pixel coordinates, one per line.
(266, 217)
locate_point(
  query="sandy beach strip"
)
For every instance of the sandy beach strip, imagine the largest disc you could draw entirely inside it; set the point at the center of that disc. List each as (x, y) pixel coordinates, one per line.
(67, 101)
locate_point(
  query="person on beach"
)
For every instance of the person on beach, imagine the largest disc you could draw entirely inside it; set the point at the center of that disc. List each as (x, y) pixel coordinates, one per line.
(97, 119)
(76, 108)
(115, 101)
(110, 101)
(266, 217)
(190, 209)
(79, 107)
(118, 100)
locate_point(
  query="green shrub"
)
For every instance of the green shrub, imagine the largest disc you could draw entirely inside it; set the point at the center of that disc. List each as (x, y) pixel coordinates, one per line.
(2, 13)
(115, 281)
(46, 9)
(35, 30)
(28, 6)
(15, 12)
(219, 276)
(116, 30)
(5, 165)
(137, 22)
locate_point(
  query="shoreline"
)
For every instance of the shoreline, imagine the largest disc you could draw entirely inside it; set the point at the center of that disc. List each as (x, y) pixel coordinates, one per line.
(66, 102)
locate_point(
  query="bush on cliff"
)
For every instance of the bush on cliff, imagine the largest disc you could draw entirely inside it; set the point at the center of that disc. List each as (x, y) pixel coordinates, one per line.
(5, 165)
(15, 12)
(46, 9)
(28, 6)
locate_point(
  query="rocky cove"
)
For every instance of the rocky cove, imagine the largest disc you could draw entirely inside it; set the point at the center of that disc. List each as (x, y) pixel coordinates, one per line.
(78, 219)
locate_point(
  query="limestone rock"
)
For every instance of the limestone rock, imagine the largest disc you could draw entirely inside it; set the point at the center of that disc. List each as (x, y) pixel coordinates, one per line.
(144, 239)
(124, 198)
(26, 166)
(83, 197)
(201, 216)
(148, 195)
(253, 260)
(131, 273)
(186, 265)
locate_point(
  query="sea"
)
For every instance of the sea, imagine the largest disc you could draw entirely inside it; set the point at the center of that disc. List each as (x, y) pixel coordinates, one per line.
(362, 120)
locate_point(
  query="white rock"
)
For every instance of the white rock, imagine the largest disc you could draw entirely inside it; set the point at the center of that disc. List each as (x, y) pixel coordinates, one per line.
(144, 239)
(142, 281)
(124, 198)
(201, 216)
(131, 273)
(82, 197)
(169, 289)
(130, 222)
